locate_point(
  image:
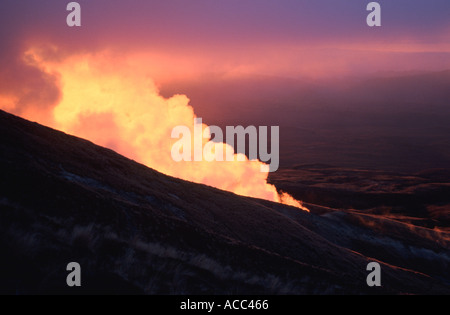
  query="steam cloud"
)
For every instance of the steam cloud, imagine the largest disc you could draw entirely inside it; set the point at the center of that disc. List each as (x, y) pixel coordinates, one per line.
(110, 101)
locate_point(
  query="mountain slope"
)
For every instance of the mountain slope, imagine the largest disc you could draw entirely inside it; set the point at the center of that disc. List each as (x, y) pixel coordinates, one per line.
(134, 230)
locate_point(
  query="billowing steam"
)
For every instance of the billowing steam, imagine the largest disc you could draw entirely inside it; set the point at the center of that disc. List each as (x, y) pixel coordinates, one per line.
(118, 106)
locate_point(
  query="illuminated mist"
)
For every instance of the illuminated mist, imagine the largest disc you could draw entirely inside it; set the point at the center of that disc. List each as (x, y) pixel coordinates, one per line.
(109, 100)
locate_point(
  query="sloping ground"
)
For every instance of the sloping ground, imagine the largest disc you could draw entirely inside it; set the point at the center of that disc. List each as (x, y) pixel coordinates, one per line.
(134, 230)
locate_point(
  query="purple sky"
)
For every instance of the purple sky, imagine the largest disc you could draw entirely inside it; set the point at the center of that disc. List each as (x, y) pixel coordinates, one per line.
(179, 39)
(229, 22)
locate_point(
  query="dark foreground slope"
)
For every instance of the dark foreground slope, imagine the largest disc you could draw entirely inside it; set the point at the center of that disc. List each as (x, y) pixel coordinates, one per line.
(134, 230)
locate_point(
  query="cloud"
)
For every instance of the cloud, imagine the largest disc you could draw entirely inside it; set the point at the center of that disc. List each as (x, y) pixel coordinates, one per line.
(24, 88)
(107, 99)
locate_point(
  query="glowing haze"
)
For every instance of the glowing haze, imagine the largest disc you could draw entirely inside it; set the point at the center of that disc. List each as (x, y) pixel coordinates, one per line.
(102, 81)
(107, 99)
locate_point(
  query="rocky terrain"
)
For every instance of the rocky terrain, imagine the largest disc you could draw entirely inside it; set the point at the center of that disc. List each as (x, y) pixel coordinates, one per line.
(136, 231)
